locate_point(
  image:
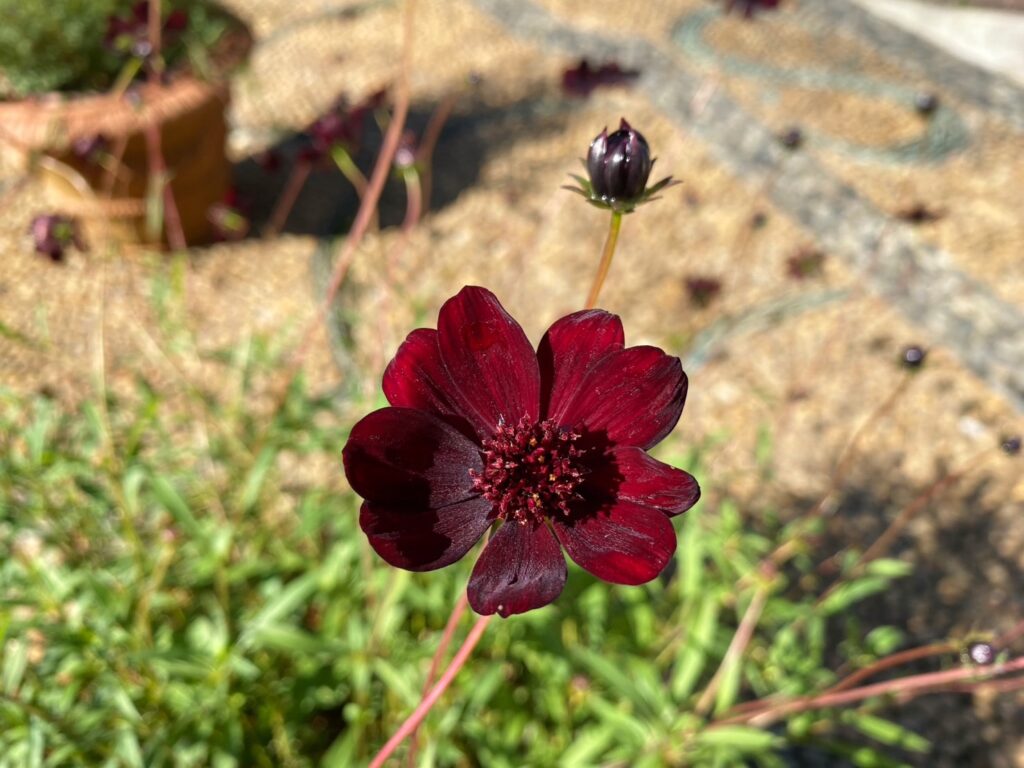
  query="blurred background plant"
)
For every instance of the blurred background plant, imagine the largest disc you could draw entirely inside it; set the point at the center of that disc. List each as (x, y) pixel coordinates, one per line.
(82, 46)
(178, 590)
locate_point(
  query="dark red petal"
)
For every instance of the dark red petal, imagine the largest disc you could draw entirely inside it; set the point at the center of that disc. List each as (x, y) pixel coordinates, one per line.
(631, 475)
(521, 568)
(425, 539)
(490, 360)
(625, 544)
(570, 348)
(417, 378)
(632, 397)
(408, 457)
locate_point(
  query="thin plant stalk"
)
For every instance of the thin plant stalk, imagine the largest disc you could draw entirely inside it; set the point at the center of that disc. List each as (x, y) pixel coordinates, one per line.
(412, 722)
(449, 631)
(904, 689)
(737, 647)
(296, 181)
(606, 259)
(887, 538)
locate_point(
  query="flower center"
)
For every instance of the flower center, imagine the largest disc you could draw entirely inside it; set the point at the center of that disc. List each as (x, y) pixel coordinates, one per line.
(531, 470)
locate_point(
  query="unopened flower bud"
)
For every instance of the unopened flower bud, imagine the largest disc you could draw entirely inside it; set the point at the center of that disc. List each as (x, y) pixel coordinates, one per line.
(913, 357)
(619, 164)
(982, 654)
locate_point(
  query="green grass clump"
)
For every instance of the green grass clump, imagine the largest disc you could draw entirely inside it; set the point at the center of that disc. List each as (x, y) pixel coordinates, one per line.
(183, 583)
(59, 45)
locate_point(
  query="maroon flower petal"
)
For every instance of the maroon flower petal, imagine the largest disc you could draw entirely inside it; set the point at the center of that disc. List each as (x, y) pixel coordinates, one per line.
(635, 396)
(490, 360)
(633, 476)
(425, 539)
(417, 378)
(570, 348)
(626, 544)
(408, 457)
(521, 568)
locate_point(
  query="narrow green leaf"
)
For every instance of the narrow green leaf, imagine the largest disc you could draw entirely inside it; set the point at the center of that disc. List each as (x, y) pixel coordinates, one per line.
(693, 657)
(171, 500)
(886, 731)
(852, 592)
(287, 600)
(889, 568)
(742, 738)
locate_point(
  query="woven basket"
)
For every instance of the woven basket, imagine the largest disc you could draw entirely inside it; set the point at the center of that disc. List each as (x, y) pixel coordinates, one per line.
(187, 114)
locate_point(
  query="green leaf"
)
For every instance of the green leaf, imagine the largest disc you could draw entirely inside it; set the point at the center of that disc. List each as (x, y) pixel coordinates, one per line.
(289, 599)
(692, 659)
(15, 662)
(255, 479)
(889, 568)
(852, 592)
(586, 748)
(742, 738)
(885, 731)
(171, 500)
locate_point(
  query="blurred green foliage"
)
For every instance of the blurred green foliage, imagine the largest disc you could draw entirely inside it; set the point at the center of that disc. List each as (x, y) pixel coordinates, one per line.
(59, 45)
(183, 583)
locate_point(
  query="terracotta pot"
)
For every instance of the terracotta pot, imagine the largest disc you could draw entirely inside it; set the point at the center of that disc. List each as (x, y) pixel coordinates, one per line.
(185, 113)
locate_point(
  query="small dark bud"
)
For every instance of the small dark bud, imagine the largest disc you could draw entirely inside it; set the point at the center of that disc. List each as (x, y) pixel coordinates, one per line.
(405, 155)
(703, 290)
(53, 235)
(913, 357)
(619, 164)
(792, 138)
(919, 213)
(981, 654)
(269, 160)
(926, 103)
(805, 263)
(749, 7)
(90, 149)
(582, 79)
(1011, 445)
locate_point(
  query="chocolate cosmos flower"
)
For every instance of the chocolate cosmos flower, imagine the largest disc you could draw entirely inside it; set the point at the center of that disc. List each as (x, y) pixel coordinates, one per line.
(549, 445)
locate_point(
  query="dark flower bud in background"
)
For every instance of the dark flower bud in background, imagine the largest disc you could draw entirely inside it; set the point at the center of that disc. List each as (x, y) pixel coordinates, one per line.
(749, 7)
(582, 79)
(792, 138)
(1011, 445)
(919, 213)
(913, 357)
(90, 149)
(405, 155)
(54, 234)
(703, 290)
(620, 164)
(981, 654)
(926, 103)
(269, 160)
(807, 262)
(130, 33)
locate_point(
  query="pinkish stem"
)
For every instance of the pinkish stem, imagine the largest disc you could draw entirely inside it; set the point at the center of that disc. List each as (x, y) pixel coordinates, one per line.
(413, 721)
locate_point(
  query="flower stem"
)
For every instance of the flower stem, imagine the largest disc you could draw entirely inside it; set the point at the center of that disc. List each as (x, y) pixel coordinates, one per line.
(449, 631)
(412, 722)
(606, 259)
